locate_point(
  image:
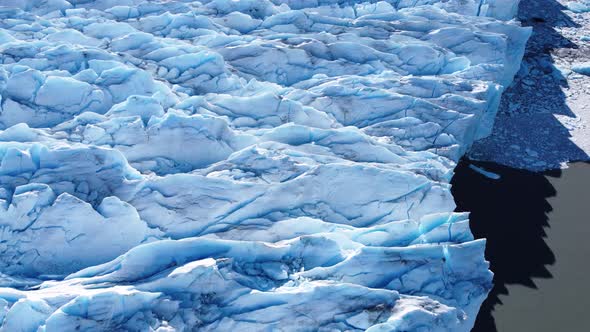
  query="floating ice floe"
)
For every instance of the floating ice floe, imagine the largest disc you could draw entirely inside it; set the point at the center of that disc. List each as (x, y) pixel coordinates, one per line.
(581, 6)
(582, 68)
(244, 165)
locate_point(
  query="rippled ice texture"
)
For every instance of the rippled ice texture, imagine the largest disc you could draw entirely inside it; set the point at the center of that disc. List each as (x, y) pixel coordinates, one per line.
(276, 165)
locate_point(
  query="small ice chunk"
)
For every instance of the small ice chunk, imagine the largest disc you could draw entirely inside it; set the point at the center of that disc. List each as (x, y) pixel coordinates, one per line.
(582, 68)
(485, 173)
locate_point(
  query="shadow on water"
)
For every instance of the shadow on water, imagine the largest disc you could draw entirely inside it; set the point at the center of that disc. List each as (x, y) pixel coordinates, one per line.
(527, 117)
(512, 214)
(544, 16)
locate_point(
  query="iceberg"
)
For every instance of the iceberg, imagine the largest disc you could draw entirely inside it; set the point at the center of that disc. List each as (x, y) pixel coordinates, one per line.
(252, 165)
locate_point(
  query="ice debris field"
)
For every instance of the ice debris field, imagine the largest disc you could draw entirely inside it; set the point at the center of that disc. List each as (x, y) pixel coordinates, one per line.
(252, 165)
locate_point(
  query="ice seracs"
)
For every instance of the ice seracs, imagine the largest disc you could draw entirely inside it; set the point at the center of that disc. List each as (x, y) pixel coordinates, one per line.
(249, 165)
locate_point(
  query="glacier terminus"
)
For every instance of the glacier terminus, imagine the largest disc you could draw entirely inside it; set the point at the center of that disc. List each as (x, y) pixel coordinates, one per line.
(251, 165)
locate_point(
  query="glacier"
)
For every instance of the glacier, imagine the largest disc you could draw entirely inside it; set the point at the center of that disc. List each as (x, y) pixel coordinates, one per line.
(252, 165)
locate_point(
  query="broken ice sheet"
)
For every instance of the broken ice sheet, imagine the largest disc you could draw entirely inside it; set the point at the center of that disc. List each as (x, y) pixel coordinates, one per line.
(246, 165)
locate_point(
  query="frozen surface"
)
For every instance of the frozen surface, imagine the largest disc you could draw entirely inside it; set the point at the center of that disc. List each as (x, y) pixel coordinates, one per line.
(580, 6)
(244, 165)
(544, 115)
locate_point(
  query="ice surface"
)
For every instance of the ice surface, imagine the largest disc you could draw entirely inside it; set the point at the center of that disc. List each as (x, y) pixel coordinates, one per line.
(582, 68)
(244, 165)
(581, 6)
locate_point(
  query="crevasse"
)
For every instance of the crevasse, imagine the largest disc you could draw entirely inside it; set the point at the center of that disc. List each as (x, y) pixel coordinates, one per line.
(252, 165)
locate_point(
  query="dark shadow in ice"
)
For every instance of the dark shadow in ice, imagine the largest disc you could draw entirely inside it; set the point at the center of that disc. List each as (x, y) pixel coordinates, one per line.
(527, 133)
(511, 213)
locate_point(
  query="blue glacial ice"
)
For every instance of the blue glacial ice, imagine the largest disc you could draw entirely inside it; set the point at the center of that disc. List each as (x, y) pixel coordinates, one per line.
(581, 6)
(253, 165)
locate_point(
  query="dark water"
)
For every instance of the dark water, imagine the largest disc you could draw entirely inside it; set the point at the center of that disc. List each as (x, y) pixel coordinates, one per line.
(538, 231)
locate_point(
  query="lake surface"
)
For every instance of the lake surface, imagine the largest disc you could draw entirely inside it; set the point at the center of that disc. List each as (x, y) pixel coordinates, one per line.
(538, 231)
